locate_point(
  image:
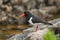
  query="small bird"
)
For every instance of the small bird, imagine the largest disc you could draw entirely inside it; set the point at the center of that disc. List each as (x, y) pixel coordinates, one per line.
(31, 19)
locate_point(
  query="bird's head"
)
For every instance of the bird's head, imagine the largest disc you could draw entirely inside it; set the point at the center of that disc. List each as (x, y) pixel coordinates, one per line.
(26, 13)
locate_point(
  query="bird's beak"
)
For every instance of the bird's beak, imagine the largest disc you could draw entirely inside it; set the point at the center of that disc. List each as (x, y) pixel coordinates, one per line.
(22, 15)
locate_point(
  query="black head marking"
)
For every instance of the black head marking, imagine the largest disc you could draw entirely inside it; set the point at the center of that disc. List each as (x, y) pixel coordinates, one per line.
(26, 12)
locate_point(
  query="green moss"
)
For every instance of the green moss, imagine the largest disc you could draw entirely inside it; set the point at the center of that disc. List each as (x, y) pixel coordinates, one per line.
(49, 36)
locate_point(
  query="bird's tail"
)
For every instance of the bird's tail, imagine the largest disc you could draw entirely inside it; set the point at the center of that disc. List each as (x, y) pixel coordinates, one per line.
(48, 23)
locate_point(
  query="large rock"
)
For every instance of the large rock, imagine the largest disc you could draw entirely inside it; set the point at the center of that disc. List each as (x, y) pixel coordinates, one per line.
(48, 11)
(55, 22)
(51, 9)
(55, 2)
(37, 35)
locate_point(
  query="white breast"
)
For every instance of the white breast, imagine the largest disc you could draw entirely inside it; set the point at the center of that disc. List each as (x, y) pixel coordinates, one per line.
(30, 21)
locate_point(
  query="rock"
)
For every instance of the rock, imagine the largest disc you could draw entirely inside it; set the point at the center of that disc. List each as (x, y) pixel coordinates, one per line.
(29, 30)
(18, 37)
(55, 22)
(3, 8)
(42, 35)
(24, 1)
(51, 2)
(3, 16)
(37, 35)
(20, 8)
(48, 11)
(9, 8)
(54, 2)
(44, 14)
(58, 36)
(10, 35)
(26, 33)
(41, 3)
(1, 1)
(35, 12)
(15, 2)
(6, 2)
(38, 26)
(58, 4)
(30, 4)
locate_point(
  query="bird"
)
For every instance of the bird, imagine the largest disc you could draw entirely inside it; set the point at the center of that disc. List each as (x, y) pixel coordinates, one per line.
(31, 19)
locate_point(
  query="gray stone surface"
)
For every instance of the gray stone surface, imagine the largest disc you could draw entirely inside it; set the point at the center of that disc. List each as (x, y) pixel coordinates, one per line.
(55, 22)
